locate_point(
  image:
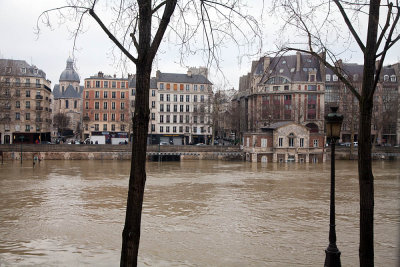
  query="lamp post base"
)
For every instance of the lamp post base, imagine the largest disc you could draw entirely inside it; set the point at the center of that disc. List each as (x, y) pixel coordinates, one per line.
(332, 258)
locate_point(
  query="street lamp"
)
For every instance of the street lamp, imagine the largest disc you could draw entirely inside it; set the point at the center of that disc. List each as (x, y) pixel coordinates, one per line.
(333, 125)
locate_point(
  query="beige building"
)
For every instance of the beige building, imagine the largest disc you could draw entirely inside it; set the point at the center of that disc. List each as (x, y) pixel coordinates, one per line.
(68, 100)
(25, 103)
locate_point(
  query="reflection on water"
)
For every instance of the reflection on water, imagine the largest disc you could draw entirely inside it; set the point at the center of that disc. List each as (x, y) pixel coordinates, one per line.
(196, 213)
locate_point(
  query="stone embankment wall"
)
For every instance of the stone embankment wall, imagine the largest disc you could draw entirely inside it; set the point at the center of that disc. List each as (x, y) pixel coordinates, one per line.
(116, 152)
(378, 153)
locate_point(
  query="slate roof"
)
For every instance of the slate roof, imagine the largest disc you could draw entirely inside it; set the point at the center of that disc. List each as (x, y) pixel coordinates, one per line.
(278, 124)
(181, 78)
(16, 68)
(153, 83)
(69, 74)
(285, 66)
(353, 68)
(69, 92)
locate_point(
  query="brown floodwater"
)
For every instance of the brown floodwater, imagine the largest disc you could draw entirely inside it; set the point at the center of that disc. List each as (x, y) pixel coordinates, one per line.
(196, 213)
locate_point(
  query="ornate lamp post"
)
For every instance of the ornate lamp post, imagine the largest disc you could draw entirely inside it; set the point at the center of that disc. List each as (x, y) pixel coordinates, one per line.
(333, 125)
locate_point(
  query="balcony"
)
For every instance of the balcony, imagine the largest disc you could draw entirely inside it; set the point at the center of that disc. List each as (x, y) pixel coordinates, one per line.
(39, 97)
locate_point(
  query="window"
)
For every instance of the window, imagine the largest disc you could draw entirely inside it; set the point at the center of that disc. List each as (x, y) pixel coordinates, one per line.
(17, 92)
(113, 105)
(104, 127)
(286, 88)
(112, 116)
(23, 70)
(187, 119)
(202, 98)
(153, 116)
(17, 104)
(264, 142)
(17, 116)
(195, 98)
(187, 129)
(122, 116)
(161, 129)
(202, 87)
(168, 98)
(153, 127)
(96, 105)
(315, 142)
(105, 84)
(161, 107)
(168, 119)
(27, 128)
(393, 78)
(104, 117)
(194, 119)
(386, 78)
(113, 95)
(153, 92)
(280, 142)
(174, 129)
(167, 129)
(122, 105)
(28, 93)
(168, 108)
(96, 127)
(195, 108)
(301, 142)
(175, 108)
(66, 103)
(161, 86)
(181, 98)
(97, 94)
(113, 84)
(87, 94)
(291, 142)
(180, 118)
(113, 127)
(334, 78)
(75, 104)
(175, 98)
(161, 118)
(133, 92)
(122, 84)
(187, 98)
(97, 84)
(122, 127)
(37, 83)
(275, 88)
(311, 107)
(28, 82)
(181, 129)
(27, 104)
(88, 84)
(122, 95)
(161, 97)
(195, 129)
(312, 87)
(195, 87)
(27, 116)
(181, 108)
(96, 116)
(105, 94)
(175, 118)
(187, 87)
(187, 108)
(153, 104)
(105, 105)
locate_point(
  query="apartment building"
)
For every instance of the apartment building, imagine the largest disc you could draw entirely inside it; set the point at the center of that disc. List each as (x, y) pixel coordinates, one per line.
(25, 103)
(68, 100)
(180, 109)
(385, 114)
(106, 107)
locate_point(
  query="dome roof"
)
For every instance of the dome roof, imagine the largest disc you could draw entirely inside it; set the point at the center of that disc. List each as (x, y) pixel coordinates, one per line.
(69, 74)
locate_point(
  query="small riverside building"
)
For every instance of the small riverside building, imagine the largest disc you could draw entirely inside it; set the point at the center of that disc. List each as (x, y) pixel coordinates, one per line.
(284, 142)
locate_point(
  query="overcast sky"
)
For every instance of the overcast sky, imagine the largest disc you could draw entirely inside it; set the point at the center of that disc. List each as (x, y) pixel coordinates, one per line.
(50, 50)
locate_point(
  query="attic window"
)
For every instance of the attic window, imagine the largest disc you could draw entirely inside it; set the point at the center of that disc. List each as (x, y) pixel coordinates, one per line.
(309, 60)
(355, 77)
(328, 77)
(284, 62)
(281, 70)
(35, 71)
(393, 78)
(23, 70)
(386, 78)
(292, 70)
(334, 78)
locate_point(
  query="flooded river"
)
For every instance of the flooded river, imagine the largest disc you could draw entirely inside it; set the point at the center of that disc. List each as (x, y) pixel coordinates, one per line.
(196, 213)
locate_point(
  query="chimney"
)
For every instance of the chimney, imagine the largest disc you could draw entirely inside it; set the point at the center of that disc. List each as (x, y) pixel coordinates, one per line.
(189, 73)
(158, 73)
(115, 75)
(298, 61)
(267, 62)
(100, 74)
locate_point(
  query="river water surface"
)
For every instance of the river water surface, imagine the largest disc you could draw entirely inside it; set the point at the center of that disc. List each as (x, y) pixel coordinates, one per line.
(196, 213)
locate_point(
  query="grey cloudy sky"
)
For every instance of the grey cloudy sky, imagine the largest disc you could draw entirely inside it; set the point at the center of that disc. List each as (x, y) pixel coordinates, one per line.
(50, 50)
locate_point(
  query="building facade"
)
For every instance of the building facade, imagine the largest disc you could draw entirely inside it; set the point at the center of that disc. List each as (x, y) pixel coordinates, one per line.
(68, 100)
(25, 103)
(106, 107)
(284, 142)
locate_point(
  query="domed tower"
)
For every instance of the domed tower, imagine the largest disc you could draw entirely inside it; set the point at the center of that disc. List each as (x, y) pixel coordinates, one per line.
(69, 77)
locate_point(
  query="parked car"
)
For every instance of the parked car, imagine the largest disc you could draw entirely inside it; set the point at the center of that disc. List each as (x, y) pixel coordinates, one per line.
(200, 144)
(164, 144)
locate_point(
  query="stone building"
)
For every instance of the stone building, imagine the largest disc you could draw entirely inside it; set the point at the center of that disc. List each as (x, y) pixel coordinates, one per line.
(284, 142)
(68, 99)
(286, 88)
(386, 103)
(106, 107)
(25, 103)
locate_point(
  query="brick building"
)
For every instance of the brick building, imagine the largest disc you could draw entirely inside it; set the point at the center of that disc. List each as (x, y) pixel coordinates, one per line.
(106, 107)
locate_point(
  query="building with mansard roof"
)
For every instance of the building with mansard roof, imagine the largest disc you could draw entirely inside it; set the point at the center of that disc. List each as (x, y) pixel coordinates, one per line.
(68, 100)
(25, 103)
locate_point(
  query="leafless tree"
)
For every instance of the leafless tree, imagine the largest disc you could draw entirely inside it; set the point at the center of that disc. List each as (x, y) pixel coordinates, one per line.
(137, 30)
(318, 29)
(61, 122)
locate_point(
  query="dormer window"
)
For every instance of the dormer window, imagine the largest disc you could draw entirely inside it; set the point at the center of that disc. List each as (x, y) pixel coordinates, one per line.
(8, 69)
(393, 78)
(355, 77)
(328, 77)
(281, 71)
(334, 78)
(311, 78)
(386, 78)
(284, 62)
(23, 70)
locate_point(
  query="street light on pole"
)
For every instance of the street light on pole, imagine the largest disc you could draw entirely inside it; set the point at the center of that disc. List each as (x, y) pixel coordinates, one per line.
(333, 123)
